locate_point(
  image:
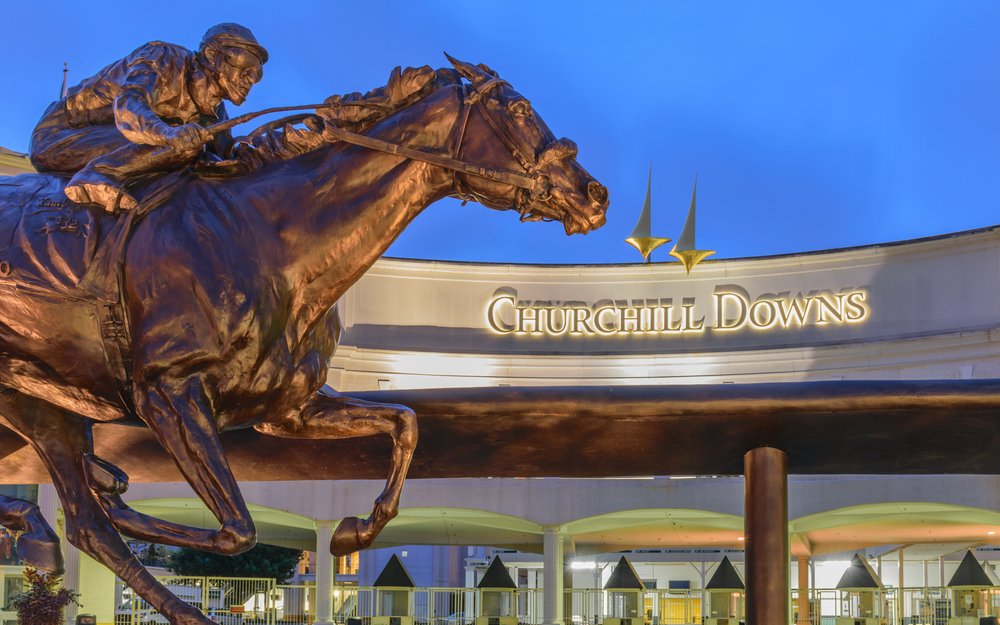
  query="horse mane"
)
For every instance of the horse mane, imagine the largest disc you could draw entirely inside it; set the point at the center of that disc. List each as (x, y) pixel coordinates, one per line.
(294, 135)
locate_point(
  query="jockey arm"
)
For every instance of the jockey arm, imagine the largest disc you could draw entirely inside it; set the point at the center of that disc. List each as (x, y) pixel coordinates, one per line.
(136, 120)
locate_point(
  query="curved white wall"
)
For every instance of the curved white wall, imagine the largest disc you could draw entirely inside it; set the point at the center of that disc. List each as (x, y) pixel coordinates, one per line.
(914, 310)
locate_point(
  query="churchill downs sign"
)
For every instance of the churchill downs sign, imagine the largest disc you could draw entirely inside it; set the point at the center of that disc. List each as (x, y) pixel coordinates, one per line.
(732, 309)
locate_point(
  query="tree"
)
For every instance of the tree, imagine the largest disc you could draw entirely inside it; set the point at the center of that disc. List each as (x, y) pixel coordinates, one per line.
(261, 561)
(43, 602)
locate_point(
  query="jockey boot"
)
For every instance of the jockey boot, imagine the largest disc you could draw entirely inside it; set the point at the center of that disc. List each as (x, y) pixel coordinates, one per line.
(90, 187)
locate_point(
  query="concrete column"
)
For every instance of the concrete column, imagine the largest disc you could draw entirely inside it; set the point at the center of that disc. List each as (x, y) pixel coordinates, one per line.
(803, 599)
(48, 504)
(552, 593)
(324, 574)
(812, 585)
(926, 583)
(941, 571)
(765, 471)
(569, 554)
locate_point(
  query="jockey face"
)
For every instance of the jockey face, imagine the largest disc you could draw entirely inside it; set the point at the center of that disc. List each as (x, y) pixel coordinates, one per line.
(236, 71)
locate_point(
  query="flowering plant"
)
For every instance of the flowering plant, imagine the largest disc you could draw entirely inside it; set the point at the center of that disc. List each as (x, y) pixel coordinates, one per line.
(43, 602)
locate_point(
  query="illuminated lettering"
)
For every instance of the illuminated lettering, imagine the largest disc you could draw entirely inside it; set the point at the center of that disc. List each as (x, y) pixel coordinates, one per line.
(724, 300)
(580, 315)
(493, 317)
(829, 304)
(630, 319)
(855, 309)
(793, 309)
(526, 315)
(690, 324)
(735, 309)
(551, 312)
(671, 323)
(602, 310)
(763, 314)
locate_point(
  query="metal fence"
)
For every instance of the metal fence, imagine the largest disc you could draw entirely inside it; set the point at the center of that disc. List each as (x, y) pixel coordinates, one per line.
(241, 601)
(226, 600)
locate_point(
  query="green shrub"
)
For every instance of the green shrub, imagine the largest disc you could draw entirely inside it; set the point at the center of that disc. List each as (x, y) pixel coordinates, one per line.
(43, 602)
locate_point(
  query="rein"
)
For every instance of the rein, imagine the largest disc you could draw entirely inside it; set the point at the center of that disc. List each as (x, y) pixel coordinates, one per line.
(531, 183)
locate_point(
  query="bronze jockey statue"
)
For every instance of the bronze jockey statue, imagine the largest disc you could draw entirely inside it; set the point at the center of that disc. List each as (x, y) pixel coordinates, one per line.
(146, 114)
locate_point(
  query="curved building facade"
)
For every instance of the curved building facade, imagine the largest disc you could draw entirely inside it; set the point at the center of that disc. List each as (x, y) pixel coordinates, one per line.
(924, 309)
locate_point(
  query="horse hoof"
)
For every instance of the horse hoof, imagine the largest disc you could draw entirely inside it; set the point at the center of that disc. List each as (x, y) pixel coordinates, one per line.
(104, 477)
(350, 536)
(40, 550)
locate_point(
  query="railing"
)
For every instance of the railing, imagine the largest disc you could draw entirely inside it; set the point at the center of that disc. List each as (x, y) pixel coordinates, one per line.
(241, 601)
(226, 600)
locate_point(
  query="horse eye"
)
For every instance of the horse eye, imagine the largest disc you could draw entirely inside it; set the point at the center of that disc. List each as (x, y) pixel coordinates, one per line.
(521, 108)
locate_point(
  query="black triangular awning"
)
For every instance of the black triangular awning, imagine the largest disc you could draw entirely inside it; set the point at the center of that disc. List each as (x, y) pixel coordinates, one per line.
(623, 577)
(970, 573)
(394, 575)
(859, 575)
(497, 576)
(725, 577)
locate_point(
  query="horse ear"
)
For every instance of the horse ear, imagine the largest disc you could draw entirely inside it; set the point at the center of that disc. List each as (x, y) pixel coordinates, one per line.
(489, 70)
(470, 72)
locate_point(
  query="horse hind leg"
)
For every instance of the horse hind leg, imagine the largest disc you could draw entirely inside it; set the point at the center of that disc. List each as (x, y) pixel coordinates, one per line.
(339, 416)
(36, 543)
(62, 441)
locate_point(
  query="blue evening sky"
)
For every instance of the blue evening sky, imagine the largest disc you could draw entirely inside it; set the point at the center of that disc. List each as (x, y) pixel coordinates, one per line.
(810, 125)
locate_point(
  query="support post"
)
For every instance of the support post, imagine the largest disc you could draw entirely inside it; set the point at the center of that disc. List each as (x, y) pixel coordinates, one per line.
(941, 571)
(324, 574)
(765, 472)
(899, 592)
(553, 568)
(803, 598)
(48, 504)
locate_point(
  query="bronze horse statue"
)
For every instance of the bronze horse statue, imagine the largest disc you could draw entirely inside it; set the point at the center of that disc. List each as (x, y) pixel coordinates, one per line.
(228, 290)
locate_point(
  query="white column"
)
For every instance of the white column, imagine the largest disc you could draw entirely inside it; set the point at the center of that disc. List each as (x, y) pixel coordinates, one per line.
(324, 574)
(48, 504)
(899, 598)
(553, 568)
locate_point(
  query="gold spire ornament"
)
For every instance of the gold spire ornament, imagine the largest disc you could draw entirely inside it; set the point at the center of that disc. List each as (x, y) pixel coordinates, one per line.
(640, 238)
(684, 250)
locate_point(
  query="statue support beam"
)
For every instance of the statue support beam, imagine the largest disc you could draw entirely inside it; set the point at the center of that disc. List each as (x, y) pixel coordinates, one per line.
(913, 427)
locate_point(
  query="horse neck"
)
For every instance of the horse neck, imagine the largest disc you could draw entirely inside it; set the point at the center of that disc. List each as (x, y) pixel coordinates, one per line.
(356, 202)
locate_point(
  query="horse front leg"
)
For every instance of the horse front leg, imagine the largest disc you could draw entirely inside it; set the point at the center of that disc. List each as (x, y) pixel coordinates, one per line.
(338, 416)
(36, 543)
(62, 441)
(179, 413)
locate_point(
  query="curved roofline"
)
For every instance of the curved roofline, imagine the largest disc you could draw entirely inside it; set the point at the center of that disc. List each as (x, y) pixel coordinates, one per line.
(834, 250)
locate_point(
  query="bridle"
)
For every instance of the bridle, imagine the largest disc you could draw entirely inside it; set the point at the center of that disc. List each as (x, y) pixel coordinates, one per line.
(525, 196)
(531, 185)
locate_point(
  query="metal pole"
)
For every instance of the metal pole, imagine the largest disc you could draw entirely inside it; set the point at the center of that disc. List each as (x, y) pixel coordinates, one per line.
(765, 521)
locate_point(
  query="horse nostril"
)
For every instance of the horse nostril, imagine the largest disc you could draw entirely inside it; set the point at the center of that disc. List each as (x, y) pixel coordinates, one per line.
(597, 192)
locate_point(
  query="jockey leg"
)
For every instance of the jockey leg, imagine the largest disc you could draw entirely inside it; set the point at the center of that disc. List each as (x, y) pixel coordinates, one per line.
(102, 181)
(101, 158)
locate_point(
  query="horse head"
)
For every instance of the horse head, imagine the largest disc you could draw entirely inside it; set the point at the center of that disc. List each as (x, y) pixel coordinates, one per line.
(512, 137)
